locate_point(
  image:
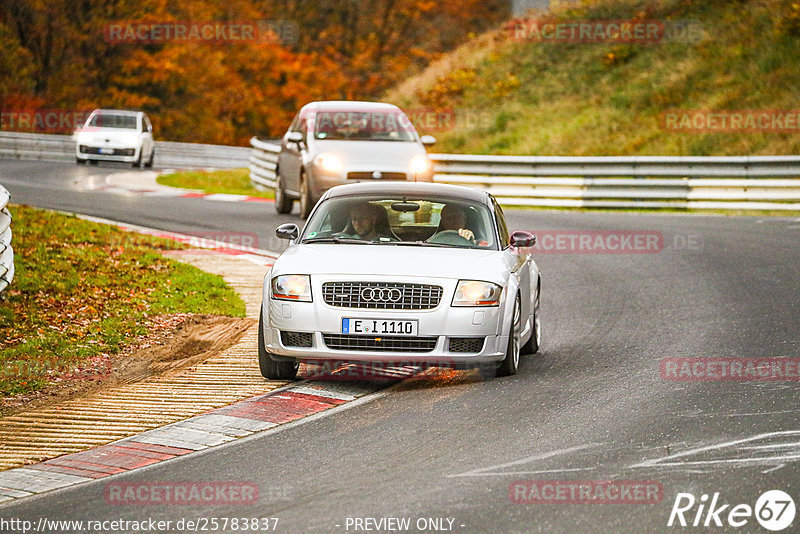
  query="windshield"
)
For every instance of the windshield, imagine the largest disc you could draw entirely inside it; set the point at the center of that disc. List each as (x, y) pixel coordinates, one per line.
(390, 125)
(403, 221)
(113, 120)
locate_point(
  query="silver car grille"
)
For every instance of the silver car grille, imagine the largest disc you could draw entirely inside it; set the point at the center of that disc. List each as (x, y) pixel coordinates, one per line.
(382, 295)
(379, 344)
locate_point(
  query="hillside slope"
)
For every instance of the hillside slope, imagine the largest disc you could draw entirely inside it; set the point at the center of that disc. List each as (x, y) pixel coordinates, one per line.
(511, 92)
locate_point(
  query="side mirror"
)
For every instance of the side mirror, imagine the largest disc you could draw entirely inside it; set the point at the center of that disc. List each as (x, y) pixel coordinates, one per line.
(287, 231)
(522, 238)
(427, 140)
(294, 137)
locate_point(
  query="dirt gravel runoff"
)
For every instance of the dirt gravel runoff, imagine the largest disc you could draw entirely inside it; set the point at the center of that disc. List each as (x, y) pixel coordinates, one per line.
(195, 363)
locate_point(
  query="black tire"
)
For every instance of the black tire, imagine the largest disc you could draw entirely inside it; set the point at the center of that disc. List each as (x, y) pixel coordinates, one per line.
(305, 197)
(91, 161)
(535, 342)
(283, 204)
(510, 363)
(80, 161)
(271, 369)
(138, 162)
(149, 163)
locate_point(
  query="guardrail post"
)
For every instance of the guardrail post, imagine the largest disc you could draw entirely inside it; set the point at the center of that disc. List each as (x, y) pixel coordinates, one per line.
(263, 163)
(6, 252)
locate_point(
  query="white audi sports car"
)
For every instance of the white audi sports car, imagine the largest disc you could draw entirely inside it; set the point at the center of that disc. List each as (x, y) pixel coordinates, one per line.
(401, 272)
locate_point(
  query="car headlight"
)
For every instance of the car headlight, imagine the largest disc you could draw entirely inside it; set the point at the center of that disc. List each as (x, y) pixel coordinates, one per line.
(296, 287)
(329, 163)
(419, 164)
(477, 293)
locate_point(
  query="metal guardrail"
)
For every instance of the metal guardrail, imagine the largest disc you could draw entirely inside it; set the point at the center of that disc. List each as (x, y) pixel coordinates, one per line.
(718, 182)
(724, 182)
(6, 252)
(263, 162)
(49, 147)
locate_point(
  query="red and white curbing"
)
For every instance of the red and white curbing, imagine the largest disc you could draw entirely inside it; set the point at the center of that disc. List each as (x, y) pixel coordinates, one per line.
(215, 428)
(211, 246)
(212, 429)
(144, 183)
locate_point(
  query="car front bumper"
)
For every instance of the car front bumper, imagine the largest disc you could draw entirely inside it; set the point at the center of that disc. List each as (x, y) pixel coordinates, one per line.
(322, 180)
(316, 320)
(89, 151)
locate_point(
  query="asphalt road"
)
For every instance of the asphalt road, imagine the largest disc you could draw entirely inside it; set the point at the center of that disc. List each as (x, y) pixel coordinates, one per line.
(591, 406)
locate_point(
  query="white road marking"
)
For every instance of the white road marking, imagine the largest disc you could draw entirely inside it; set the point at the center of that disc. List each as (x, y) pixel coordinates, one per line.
(486, 471)
(770, 470)
(676, 459)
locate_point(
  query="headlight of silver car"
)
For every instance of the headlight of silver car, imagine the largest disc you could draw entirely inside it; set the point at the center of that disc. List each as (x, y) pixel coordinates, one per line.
(477, 293)
(419, 164)
(329, 163)
(296, 287)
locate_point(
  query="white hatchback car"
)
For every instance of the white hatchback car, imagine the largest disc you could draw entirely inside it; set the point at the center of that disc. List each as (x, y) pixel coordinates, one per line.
(336, 142)
(116, 135)
(417, 273)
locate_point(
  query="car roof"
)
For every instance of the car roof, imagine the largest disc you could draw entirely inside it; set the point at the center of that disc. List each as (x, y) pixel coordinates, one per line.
(409, 188)
(117, 111)
(350, 105)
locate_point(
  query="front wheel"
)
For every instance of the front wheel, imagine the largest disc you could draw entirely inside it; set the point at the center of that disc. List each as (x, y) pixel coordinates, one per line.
(271, 369)
(535, 342)
(510, 363)
(305, 197)
(283, 204)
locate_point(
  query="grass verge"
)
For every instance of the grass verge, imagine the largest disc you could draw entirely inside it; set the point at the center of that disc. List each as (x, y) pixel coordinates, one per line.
(229, 181)
(507, 92)
(82, 290)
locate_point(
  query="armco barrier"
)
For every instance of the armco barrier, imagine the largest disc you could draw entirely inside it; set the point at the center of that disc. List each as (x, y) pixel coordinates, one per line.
(263, 162)
(725, 182)
(720, 182)
(6, 252)
(48, 147)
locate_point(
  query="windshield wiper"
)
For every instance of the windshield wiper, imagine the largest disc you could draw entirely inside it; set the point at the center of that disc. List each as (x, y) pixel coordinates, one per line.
(417, 244)
(335, 239)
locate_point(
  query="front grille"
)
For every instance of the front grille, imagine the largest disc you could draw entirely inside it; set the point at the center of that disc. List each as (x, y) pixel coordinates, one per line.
(116, 152)
(368, 175)
(381, 295)
(380, 344)
(465, 344)
(296, 339)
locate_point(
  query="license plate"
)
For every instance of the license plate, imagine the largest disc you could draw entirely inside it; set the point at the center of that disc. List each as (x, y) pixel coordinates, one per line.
(106, 150)
(380, 327)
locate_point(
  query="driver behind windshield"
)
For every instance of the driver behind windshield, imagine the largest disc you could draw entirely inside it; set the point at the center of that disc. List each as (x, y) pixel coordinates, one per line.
(363, 219)
(454, 218)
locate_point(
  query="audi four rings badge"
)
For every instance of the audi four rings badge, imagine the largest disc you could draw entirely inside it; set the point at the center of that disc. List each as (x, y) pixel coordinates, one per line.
(381, 294)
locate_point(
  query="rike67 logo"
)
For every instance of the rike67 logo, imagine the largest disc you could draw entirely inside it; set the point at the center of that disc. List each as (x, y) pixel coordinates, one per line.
(774, 510)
